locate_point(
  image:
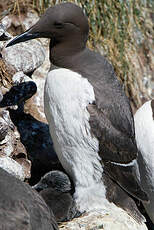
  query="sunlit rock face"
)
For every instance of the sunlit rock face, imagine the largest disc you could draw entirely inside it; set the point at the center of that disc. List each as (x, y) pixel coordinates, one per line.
(1, 95)
(24, 137)
(12, 167)
(4, 35)
(113, 218)
(13, 156)
(24, 57)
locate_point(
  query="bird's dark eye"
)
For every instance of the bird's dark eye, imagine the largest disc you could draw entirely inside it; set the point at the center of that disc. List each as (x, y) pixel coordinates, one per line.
(58, 25)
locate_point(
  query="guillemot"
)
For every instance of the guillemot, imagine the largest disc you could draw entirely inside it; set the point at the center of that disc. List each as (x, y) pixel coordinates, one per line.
(89, 115)
(21, 207)
(56, 189)
(144, 131)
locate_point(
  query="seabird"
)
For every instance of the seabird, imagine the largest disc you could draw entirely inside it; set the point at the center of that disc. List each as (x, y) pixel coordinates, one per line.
(56, 189)
(21, 207)
(144, 130)
(90, 118)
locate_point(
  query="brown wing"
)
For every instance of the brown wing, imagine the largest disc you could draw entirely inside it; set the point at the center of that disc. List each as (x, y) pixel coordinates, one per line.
(117, 147)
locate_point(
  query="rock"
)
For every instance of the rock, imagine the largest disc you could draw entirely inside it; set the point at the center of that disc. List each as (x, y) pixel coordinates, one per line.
(7, 141)
(112, 219)
(39, 78)
(35, 136)
(12, 167)
(13, 155)
(1, 95)
(31, 18)
(19, 93)
(33, 132)
(6, 118)
(6, 21)
(3, 130)
(20, 77)
(4, 36)
(25, 57)
(26, 165)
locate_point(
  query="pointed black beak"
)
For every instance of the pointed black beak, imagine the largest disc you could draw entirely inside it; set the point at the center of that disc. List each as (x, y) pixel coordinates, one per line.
(23, 37)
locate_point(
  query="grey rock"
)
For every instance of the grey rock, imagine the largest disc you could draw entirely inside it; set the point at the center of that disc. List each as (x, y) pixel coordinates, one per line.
(6, 117)
(7, 140)
(1, 95)
(21, 207)
(31, 18)
(6, 21)
(38, 144)
(113, 218)
(20, 77)
(24, 57)
(12, 167)
(7, 143)
(3, 130)
(19, 93)
(4, 36)
(13, 155)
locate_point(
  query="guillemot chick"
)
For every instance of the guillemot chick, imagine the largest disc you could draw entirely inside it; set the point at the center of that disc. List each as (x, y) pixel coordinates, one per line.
(144, 129)
(56, 189)
(21, 207)
(90, 118)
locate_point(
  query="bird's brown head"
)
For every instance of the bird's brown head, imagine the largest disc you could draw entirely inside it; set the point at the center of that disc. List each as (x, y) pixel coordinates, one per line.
(64, 22)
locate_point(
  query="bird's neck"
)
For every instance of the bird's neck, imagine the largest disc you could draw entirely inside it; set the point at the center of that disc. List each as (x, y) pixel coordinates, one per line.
(63, 54)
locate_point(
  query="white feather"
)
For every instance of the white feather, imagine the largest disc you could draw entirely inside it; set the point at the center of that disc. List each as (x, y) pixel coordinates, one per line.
(144, 128)
(66, 97)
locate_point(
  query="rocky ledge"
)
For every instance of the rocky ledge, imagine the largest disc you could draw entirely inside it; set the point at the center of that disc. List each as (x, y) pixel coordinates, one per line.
(112, 219)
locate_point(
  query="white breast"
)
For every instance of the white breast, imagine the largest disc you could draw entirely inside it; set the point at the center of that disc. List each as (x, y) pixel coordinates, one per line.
(67, 95)
(144, 128)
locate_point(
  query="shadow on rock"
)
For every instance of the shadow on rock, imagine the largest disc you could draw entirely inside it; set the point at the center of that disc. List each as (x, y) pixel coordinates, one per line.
(19, 93)
(34, 134)
(36, 138)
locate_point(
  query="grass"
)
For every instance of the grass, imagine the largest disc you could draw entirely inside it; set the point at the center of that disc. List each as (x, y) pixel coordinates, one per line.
(120, 29)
